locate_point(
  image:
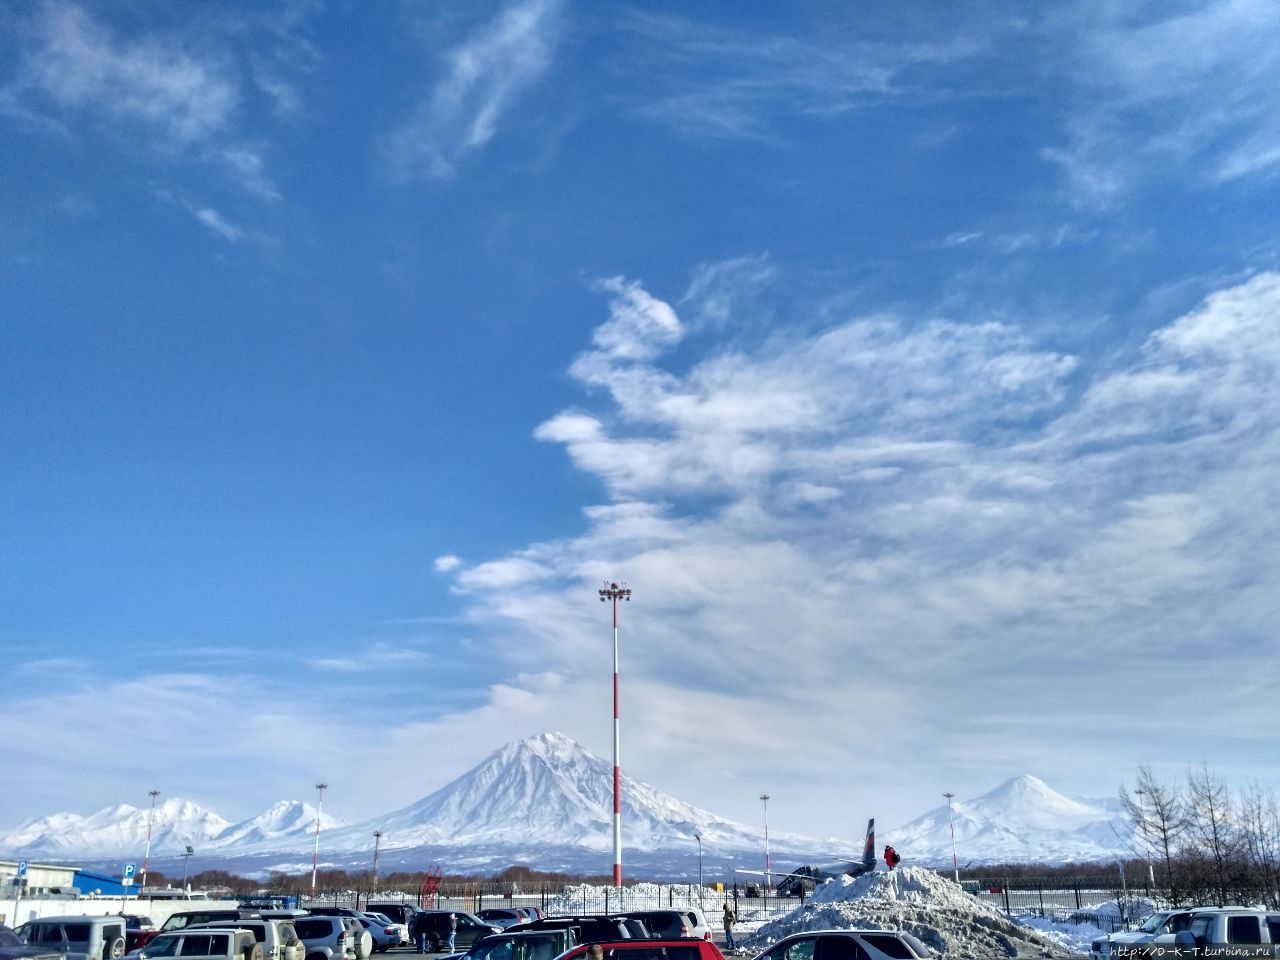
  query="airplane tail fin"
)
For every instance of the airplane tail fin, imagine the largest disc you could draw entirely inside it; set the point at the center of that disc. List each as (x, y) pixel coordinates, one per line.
(869, 848)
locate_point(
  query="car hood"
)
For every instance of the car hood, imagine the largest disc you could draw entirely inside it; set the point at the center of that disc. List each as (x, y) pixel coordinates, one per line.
(1132, 936)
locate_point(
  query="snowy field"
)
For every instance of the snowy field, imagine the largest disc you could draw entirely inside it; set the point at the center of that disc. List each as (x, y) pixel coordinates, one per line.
(949, 921)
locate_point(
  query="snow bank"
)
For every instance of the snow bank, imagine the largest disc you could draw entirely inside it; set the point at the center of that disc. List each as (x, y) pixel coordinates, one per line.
(917, 901)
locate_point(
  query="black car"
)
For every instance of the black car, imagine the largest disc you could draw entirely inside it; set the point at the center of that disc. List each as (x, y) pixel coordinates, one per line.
(436, 923)
(11, 948)
(592, 928)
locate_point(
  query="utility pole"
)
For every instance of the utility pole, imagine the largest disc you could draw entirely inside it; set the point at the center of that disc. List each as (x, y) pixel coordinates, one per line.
(955, 863)
(315, 856)
(768, 872)
(615, 592)
(146, 857)
(377, 840)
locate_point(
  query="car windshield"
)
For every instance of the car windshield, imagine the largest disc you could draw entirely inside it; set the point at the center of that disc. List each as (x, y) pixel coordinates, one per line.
(1153, 923)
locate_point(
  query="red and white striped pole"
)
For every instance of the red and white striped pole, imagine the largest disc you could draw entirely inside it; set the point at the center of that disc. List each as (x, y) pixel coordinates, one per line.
(616, 592)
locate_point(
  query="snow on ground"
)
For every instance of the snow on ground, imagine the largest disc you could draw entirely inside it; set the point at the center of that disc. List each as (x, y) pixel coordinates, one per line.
(919, 901)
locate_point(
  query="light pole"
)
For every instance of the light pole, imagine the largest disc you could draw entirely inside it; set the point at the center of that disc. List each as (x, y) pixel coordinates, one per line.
(615, 592)
(146, 857)
(1146, 839)
(315, 857)
(377, 840)
(951, 814)
(186, 862)
(768, 873)
(698, 837)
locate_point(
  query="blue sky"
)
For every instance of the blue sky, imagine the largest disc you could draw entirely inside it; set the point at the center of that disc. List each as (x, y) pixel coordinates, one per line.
(915, 365)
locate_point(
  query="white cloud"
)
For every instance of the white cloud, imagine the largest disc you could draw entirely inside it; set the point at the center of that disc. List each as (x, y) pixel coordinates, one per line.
(157, 83)
(639, 327)
(484, 78)
(217, 224)
(1195, 88)
(447, 562)
(929, 514)
(708, 81)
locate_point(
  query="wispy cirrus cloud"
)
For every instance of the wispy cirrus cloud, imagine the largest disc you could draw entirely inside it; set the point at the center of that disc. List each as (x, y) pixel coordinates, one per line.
(181, 94)
(78, 63)
(484, 77)
(715, 81)
(940, 507)
(1196, 87)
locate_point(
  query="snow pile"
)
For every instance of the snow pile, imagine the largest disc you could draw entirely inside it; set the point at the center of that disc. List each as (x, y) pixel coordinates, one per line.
(916, 901)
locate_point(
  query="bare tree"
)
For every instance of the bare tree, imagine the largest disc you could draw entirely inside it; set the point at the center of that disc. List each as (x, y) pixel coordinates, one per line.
(1211, 827)
(1161, 820)
(1260, 833)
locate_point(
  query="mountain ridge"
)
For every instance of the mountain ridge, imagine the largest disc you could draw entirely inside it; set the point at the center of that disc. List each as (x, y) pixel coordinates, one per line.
(547, 799)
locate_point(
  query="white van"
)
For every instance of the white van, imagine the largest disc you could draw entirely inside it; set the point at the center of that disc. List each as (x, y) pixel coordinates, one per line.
(77, 938)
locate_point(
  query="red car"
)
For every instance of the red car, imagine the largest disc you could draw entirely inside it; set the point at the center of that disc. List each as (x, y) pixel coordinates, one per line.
(678, 949)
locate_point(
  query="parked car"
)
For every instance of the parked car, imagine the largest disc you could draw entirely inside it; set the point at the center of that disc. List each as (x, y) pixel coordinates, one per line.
(663, 924)
(529, 945)
(435, 923)
(1230, 926)
(279, 938)
(11, 948)
(503, 917)
(326, 938)
(203, 943)
(401, 930)
(361, 939)
(186, 918)
(400, 912)
(650, 949)
(845, 944)
(1158, 929)
(137, 930)
(77, 938)
(591, 927)
(383, 932)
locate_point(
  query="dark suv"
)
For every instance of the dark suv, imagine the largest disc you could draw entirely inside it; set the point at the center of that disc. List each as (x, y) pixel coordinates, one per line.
(663, 924)
(436, 925)
(593, 928)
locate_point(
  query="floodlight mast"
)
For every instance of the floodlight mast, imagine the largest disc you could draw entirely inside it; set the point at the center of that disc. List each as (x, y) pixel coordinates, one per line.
(146, 857)
(955, 863)
(315, 856)
(614, 592)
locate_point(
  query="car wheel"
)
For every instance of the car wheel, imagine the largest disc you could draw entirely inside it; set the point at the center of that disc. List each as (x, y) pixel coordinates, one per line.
(114, 950)
(434, 944)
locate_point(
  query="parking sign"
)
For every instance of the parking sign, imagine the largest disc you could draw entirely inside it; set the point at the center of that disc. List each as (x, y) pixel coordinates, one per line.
(129, 869)
(22, 868)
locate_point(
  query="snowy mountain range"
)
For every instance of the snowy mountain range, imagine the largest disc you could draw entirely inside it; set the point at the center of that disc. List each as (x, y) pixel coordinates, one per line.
(547, 802)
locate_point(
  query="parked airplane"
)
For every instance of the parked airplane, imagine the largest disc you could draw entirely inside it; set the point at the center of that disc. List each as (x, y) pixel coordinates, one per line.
(802, 880)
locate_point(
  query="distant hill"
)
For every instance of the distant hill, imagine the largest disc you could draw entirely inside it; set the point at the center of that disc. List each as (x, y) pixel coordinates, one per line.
(546, 802)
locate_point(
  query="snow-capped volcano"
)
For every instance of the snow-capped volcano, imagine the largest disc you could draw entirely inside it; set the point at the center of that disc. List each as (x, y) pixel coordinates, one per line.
(1023, 819)
(546, 801)
(548, 790)
(119, 830)
(284, 822)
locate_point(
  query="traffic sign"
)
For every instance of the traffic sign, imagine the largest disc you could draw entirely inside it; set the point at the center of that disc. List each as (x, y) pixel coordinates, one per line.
(127, 881)
(22, 868)
(129, 870)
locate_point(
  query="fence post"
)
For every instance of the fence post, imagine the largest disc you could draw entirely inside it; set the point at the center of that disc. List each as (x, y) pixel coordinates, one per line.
(1040, 887)
(1077, 888)
(1008, 911)
(606, 900)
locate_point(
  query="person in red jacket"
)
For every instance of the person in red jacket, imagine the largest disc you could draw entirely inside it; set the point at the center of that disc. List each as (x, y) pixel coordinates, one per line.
(891, 858)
